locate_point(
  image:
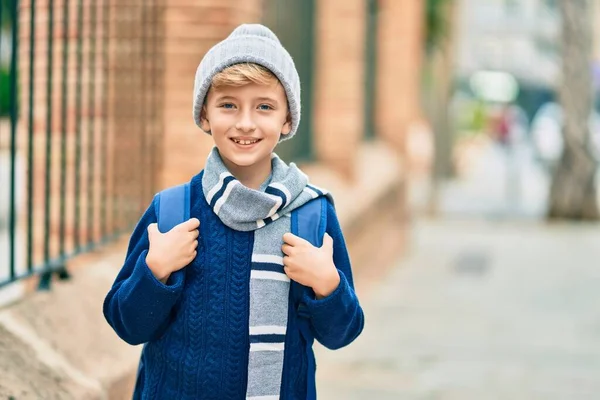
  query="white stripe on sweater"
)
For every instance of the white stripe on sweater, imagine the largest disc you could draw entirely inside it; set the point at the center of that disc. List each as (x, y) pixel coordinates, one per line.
(217, 187)
(269, 275)
(267, 346)
(268, 330)
(263, 398)
(267, 258)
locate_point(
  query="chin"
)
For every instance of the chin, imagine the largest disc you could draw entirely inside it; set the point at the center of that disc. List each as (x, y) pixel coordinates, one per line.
(244, 160)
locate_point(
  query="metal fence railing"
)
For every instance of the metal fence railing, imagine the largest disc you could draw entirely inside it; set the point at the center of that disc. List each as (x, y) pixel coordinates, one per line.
(78, 138)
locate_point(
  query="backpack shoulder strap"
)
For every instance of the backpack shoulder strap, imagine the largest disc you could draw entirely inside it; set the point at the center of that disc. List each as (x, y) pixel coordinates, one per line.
(310, 221)
(173, 206)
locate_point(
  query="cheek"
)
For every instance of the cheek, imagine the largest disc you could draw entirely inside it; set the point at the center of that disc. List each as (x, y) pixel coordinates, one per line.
(220, 123)
(273, 125)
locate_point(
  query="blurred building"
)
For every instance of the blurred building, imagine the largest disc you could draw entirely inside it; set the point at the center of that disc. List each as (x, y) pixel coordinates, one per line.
(519, 37)
(516, 36)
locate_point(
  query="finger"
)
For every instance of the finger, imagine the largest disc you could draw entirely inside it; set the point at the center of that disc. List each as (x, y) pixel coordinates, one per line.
(294, 240)
(195, 244)
(189, 225)
(194, 234)
(327, 241)
(290, 273)
(288, 262)
(286, 248)
(152, 229)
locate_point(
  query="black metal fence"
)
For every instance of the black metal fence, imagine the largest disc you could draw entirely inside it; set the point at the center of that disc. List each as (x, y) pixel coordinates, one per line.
(79, 132)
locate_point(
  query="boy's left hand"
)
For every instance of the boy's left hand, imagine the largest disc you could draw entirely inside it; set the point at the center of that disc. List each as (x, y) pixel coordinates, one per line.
(309, 265)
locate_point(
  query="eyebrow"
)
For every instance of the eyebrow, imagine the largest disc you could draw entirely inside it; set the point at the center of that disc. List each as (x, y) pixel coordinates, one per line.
(228, 97)
(225, 97)
(267, 99)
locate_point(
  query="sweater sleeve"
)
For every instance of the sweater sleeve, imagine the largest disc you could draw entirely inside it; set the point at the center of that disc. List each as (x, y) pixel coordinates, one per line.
(138, 305)
(337, 319)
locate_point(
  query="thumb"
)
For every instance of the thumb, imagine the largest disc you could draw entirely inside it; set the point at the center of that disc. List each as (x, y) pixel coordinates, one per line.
(327, 241)
(153, 230)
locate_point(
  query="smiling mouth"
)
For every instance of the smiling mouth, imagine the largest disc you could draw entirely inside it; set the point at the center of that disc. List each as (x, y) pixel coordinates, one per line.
(245, 142)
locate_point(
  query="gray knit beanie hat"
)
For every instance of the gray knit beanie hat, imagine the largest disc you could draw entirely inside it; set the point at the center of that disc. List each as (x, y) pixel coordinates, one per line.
(250, 43)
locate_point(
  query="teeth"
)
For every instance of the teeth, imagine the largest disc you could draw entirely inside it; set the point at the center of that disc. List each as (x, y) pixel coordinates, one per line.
(246, 142)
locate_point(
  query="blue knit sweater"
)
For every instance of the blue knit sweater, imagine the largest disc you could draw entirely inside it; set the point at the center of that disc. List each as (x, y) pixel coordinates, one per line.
(196, 325)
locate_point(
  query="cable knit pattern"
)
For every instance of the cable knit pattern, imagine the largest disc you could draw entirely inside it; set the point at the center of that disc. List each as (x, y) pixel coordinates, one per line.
(195, 317)
(214, 303)
(196, 326)
(239, 277)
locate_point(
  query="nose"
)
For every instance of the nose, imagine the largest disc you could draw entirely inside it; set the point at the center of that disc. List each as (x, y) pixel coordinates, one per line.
(245, 122)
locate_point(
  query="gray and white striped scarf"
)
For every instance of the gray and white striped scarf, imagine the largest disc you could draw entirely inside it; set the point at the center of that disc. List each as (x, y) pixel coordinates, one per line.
(266, 212)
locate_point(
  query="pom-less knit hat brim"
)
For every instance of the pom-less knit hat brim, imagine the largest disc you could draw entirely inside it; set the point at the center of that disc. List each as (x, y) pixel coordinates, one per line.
(250, 43)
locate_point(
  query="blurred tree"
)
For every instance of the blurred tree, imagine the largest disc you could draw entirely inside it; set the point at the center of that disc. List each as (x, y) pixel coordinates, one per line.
(573, 190)
(439, 44)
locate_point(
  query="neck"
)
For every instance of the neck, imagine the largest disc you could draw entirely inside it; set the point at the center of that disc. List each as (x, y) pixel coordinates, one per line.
(250, 176)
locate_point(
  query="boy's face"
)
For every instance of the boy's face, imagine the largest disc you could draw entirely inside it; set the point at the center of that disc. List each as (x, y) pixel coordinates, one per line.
(246, 123)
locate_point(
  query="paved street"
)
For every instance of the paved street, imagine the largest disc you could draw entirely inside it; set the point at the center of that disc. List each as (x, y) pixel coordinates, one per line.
(480, 310)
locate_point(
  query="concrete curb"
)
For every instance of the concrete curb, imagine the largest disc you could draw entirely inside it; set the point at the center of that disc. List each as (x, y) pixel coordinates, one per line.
(57, 344)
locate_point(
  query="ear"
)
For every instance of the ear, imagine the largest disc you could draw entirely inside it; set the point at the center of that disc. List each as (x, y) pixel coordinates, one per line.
(204, 122)
(287, 126)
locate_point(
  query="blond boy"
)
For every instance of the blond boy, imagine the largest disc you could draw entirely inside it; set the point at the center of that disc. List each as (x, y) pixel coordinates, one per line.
(211, 297)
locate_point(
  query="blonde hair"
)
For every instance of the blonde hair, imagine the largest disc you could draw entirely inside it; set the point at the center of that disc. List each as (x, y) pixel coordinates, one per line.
(243, 74)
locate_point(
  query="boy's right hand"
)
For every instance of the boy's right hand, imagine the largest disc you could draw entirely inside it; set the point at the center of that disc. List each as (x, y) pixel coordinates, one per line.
(171, 251)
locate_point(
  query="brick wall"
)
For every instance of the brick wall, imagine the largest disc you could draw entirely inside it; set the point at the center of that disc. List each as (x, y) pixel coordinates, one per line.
(400, 38)
(339, 84)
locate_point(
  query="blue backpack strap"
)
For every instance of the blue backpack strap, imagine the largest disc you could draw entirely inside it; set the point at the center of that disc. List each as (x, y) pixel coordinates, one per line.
(308, 222)
(172, 208)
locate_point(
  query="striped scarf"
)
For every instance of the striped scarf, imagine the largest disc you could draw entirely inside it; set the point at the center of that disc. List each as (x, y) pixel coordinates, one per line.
(266, 212)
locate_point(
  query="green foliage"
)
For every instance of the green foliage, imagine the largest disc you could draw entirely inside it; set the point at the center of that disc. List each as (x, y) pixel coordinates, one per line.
(5, 102)
(436, 23)
(6, 14)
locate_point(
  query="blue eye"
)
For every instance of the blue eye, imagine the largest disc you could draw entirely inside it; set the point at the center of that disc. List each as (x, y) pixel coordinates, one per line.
(227, 106)
(265, 107)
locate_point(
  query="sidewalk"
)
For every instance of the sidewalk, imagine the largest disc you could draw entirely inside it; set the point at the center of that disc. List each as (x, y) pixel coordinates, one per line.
(499, 182)
(479, 311)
